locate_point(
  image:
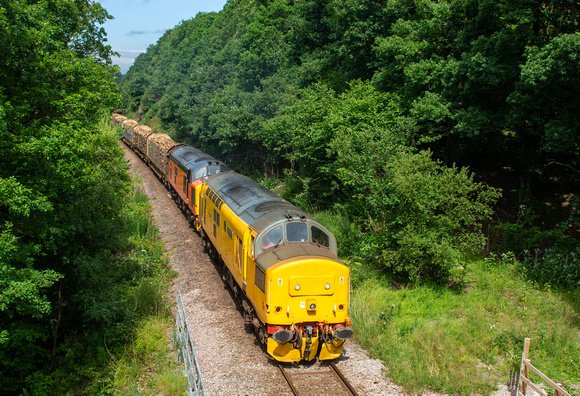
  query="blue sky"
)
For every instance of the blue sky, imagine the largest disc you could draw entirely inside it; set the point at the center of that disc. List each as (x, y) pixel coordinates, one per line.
(140, 23)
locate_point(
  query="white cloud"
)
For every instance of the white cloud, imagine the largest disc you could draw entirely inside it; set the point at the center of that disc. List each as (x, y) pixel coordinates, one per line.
(134, 33)
(125, 61)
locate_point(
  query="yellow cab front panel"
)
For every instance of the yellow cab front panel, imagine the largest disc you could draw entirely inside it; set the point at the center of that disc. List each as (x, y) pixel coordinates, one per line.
(309, 296)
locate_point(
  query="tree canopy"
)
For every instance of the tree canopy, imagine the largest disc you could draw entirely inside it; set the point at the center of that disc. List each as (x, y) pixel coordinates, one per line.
(487, 84)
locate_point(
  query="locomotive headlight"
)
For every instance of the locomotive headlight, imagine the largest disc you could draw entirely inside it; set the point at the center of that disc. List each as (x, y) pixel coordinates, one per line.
(297, 287)
(327, 286)
(312, 307)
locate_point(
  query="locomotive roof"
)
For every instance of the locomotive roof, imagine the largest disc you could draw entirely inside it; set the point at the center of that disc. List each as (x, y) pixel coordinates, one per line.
(291, 250)
(253, 203)
(191, 157)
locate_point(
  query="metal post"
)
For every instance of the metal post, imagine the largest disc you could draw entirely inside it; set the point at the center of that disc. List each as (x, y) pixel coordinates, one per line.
(187, 351)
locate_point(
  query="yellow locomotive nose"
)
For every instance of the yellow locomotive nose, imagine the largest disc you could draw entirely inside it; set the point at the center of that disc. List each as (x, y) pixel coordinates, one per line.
(309, 297)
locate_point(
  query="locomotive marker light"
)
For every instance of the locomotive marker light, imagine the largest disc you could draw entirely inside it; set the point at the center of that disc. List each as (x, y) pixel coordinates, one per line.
(327, 286)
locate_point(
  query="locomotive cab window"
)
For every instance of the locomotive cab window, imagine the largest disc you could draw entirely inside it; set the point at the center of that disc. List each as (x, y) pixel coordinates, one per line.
(273, 238)
(297, 232)
(319, 237)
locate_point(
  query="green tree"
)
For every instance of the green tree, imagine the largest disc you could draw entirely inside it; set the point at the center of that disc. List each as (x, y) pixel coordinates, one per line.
(61, 182)
(420, 217)
(545, 105)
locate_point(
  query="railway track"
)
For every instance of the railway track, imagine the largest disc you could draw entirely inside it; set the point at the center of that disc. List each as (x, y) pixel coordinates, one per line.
(321, 379)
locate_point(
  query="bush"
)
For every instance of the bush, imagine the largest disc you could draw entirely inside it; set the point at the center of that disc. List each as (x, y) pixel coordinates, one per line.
(419, 216)
(526, 234)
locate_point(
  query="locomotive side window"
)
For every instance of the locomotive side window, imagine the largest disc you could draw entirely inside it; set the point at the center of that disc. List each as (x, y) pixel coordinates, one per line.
(185, 185)
(260, 279)
(273, 238)
(175, 176)
(239, 253)
(296, 232)
(319, 237)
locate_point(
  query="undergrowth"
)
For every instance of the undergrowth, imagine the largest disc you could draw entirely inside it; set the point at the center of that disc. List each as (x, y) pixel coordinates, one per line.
(146, 363)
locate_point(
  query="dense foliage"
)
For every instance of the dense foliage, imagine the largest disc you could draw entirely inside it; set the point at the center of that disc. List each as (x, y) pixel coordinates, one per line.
(375, 108)
(65, 279)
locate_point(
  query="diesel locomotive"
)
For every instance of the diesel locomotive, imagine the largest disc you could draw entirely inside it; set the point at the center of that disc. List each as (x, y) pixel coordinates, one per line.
(280, 263)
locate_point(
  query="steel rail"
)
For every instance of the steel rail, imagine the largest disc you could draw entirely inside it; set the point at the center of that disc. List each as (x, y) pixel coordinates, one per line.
(343, 379)
(339, 378)
(288, 379)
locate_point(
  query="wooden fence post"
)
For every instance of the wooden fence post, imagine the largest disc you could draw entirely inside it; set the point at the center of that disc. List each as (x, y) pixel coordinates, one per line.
(524, 371)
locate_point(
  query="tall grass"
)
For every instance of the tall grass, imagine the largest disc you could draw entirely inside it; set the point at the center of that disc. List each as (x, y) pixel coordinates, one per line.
(138, 218)
(148, 366)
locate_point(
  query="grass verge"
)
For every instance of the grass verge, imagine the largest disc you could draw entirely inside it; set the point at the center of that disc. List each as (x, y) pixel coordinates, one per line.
(465, 338)
(468, 341)
(144, 363)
